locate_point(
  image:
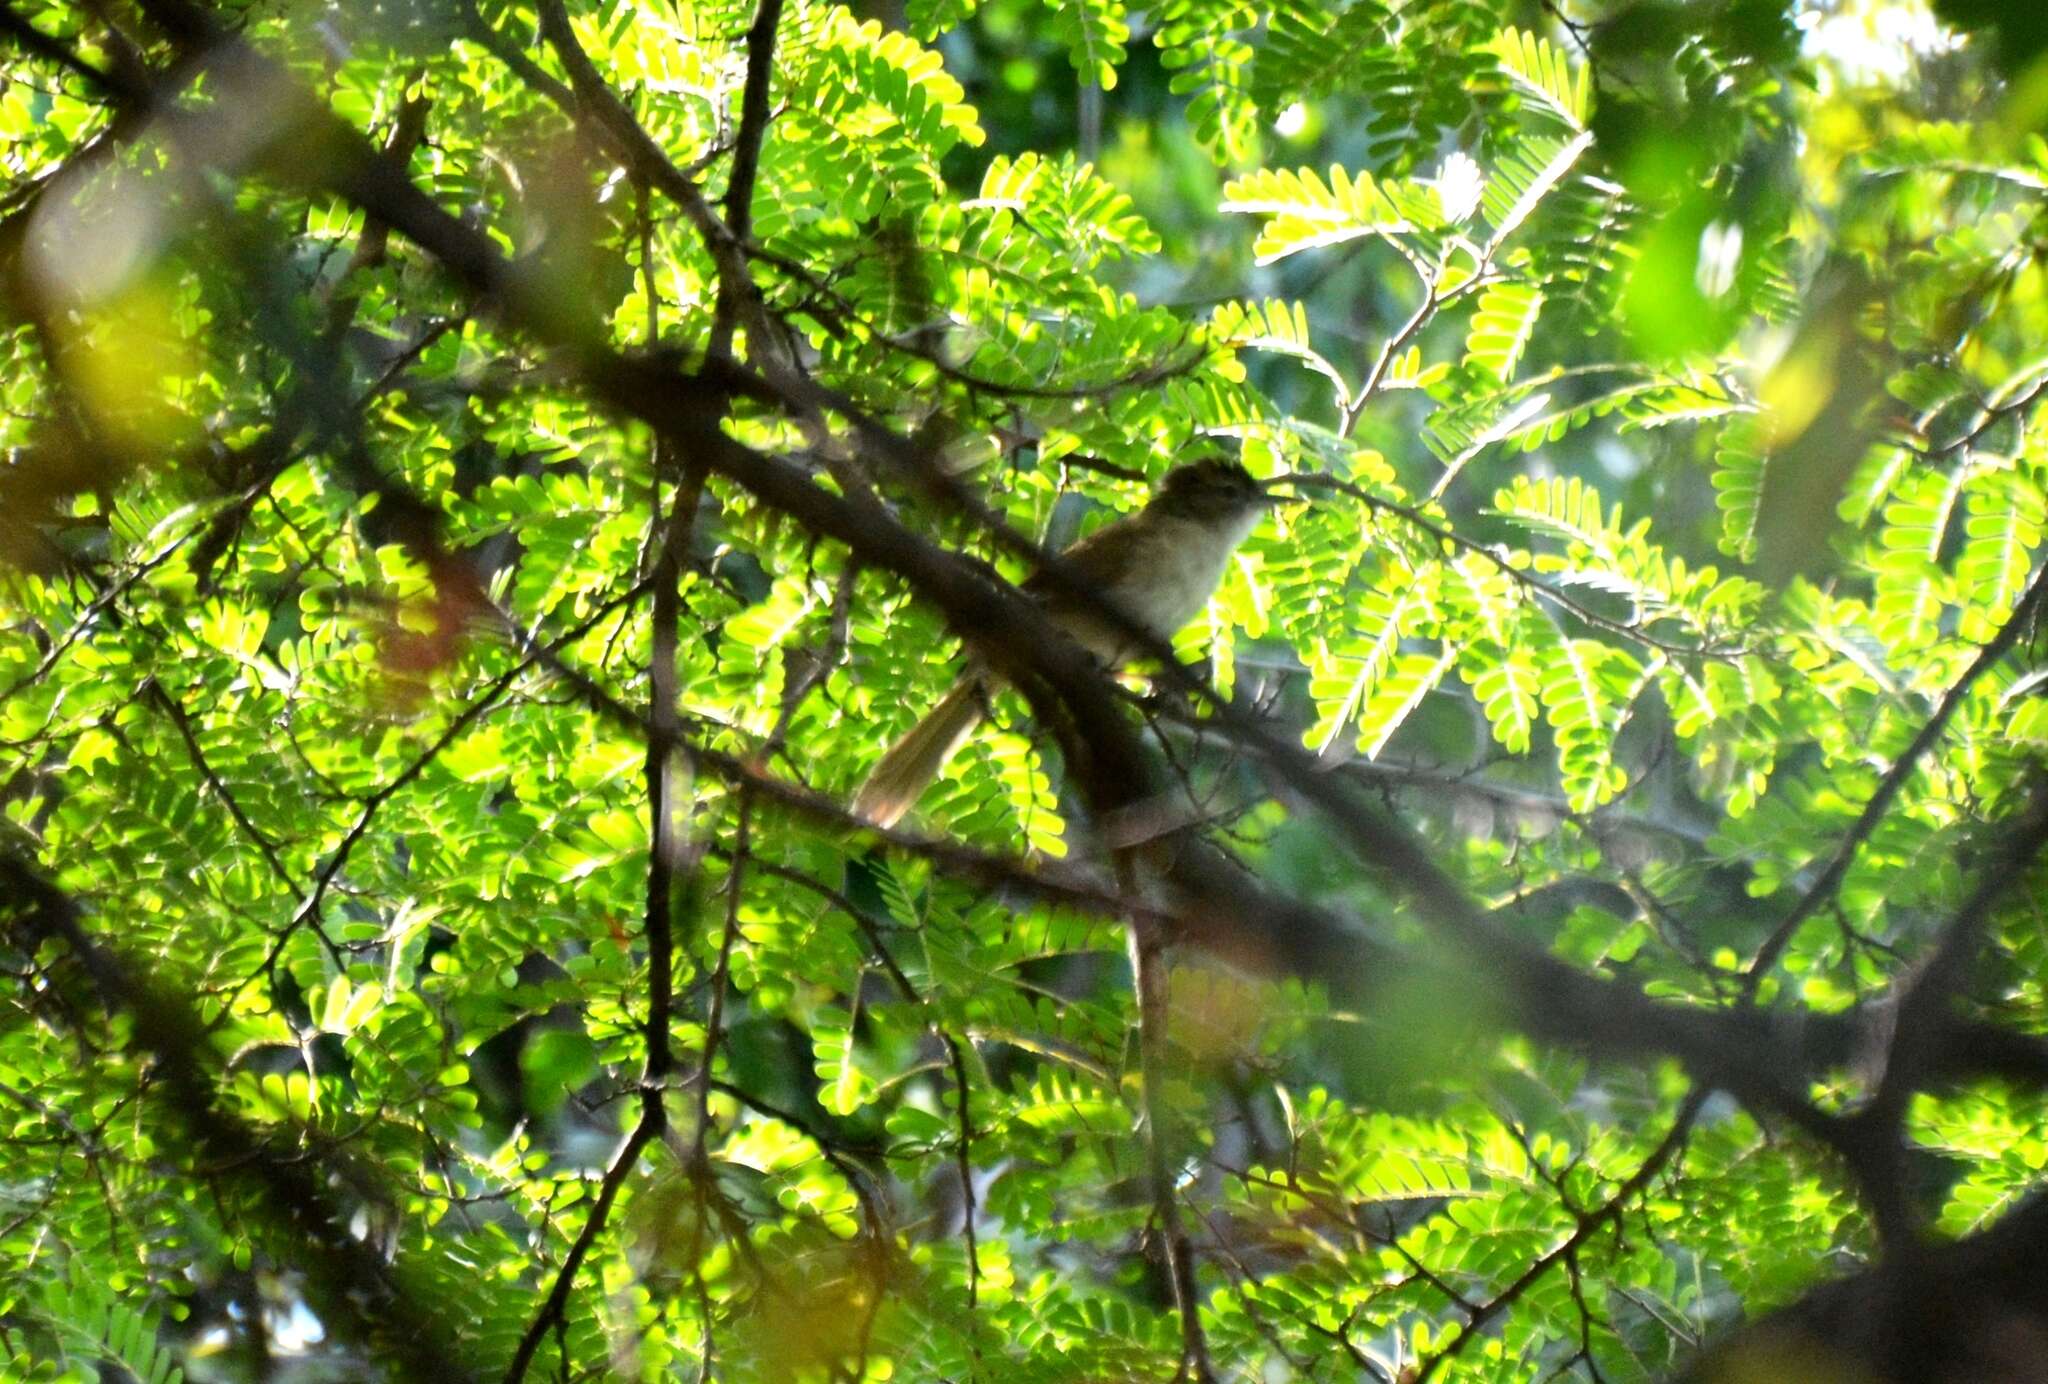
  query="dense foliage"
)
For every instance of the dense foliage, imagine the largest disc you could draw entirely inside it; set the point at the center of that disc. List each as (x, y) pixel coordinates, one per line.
(482, 482)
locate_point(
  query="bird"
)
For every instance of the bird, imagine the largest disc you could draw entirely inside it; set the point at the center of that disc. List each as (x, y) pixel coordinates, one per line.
(1157, 568)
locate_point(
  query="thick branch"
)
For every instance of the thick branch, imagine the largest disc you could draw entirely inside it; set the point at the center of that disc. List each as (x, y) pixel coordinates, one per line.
(1971, 1312)
(746, 162)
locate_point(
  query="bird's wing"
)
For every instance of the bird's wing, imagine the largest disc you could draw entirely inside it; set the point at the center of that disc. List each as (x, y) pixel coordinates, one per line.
(1102, 562)
(1101, 559)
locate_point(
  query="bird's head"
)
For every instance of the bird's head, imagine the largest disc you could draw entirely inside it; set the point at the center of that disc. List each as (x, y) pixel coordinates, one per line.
(1212, 489)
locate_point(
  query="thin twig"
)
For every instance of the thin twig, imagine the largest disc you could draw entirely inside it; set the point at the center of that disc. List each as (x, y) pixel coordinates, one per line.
(674, 527)
(1880, 801)
(169, 705)
(1589, 1222)
(648, 162)
(841, 310)
(553, 1308)
(1521, 577)
(1433, 299)
(963, 1154)
(721, 975)
(308, 913)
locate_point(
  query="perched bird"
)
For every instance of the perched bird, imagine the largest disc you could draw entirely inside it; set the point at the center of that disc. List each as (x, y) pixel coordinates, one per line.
(1156, 567)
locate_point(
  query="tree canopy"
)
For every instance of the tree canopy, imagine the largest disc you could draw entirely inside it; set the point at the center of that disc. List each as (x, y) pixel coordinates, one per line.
(481, 482)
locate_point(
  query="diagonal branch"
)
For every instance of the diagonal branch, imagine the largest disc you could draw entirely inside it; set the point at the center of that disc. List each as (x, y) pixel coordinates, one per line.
(354, 1291)
(651, 165)
(1873, 1137)
(1589, 1223)
(35, 41)
(1830, 879)
(180, 718)
(554, 1306)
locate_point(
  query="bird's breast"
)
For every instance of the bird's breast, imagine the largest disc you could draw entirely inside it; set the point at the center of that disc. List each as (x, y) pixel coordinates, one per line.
(1176, 570)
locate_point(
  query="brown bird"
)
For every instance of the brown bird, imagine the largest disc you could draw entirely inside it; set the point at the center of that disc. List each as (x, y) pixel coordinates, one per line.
(1156, 567)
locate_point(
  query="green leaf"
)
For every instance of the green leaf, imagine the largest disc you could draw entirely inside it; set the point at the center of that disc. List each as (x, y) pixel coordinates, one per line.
(1396, 695)
(1579, 702)
(2006, 515)
(1739, 485)
(1508, 686)
(1523, 178)
(1502, 327)
(1541, 70)
(1095, 33)
(1278, 327)
(1306, 213)
(843, 1086)
(1912, 588)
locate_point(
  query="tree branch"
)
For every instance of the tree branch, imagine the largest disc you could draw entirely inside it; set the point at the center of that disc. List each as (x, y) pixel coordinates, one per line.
(1830, 879)
(553, 1308)
(1589, 1222)
(354, 1291)
(746, 165)
(1149, 981)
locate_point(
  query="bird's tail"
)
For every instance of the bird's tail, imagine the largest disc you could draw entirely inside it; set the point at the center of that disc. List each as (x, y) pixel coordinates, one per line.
(900, 777)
